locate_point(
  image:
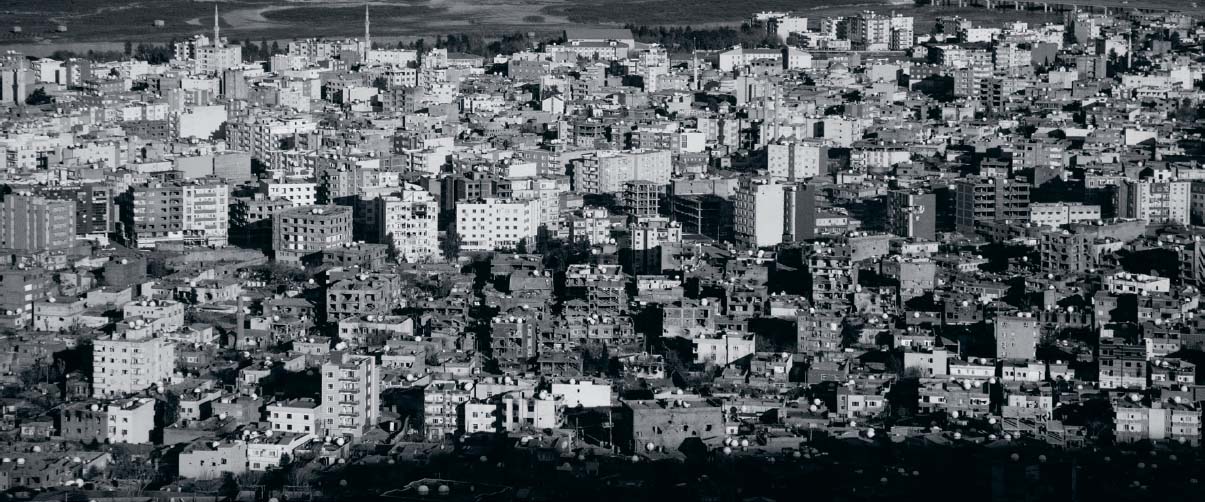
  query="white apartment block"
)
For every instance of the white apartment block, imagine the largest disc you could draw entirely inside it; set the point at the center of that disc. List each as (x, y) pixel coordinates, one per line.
(260, 136)
(723, 349)
(758, 213)
(513, 412)
(207, 213)
(1056, 214)
(795, 160)
(606, 172)
(123, 364)
(496, 224)
(584, 393)
(1154, 201)
(216, 57)
(267, 452)
(298, 415)
(351, 388)
(786, 25)
(299, 193)
(121, 421)
(548, 191)
(409, 220)
(872, 32)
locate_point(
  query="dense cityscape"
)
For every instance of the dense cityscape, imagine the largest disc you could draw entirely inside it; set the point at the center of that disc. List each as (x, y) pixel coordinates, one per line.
(837, 258)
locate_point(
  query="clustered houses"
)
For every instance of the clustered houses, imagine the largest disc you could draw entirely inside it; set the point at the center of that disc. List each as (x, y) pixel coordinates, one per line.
(981, 234)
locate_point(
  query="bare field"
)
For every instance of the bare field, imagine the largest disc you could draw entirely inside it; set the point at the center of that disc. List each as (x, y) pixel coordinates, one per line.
(116, 21)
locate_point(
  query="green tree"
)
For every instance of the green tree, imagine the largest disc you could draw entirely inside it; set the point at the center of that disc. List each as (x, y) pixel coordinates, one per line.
(229, 488)
(38, 97)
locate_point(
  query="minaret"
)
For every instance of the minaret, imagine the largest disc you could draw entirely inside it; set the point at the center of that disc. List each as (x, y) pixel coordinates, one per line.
(217, 39)
(695, 65)
(367, 38)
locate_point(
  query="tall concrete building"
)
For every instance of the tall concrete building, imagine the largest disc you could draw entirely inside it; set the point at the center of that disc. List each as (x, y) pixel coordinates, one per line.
(408, 220)
(834, 276)
(13, 81)
(496, 224)
(1155, 200)
(31, 223)
(606, 172)
(912, 214)
(642, 198)
(796, 160)
(873, 32)
(192, 213)
(301, 232)
(351, 389)
(95, 212)
(1016, 337)
(983, 199)
(130, 361)
(758, 213)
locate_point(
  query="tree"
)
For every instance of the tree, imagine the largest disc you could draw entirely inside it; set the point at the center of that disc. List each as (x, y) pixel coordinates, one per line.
(450, 245)
(229, 488)
(38, 97)
(141, 473)
(129, 48)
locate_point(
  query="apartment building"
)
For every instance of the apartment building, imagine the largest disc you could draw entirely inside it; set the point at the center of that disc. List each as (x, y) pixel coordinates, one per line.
(295, 415)
(1155, 200)
(1016, 337)
(193, 213)
(443, 401)
(351, 389)
(95, 212)
(251, 220)
(986, 199)
(796, 160)
(409, 221)
(1122, 365)
(297, 192)
(912, 214)
(723, 349)
(129, 421)
(1056, 214)
(521, 410)
(35, 224)
(759, 207)
(496, 224)
(834, 276)
(606, 172)
(870, 31)
(642, 199)
(1136, 420)
(130, 361)
(302, 232)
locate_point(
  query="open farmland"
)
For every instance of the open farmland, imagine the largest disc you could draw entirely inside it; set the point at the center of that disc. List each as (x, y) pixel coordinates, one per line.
(116, 21)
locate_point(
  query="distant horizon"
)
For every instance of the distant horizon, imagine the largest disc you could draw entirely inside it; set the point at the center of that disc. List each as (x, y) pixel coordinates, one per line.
(235, 24)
